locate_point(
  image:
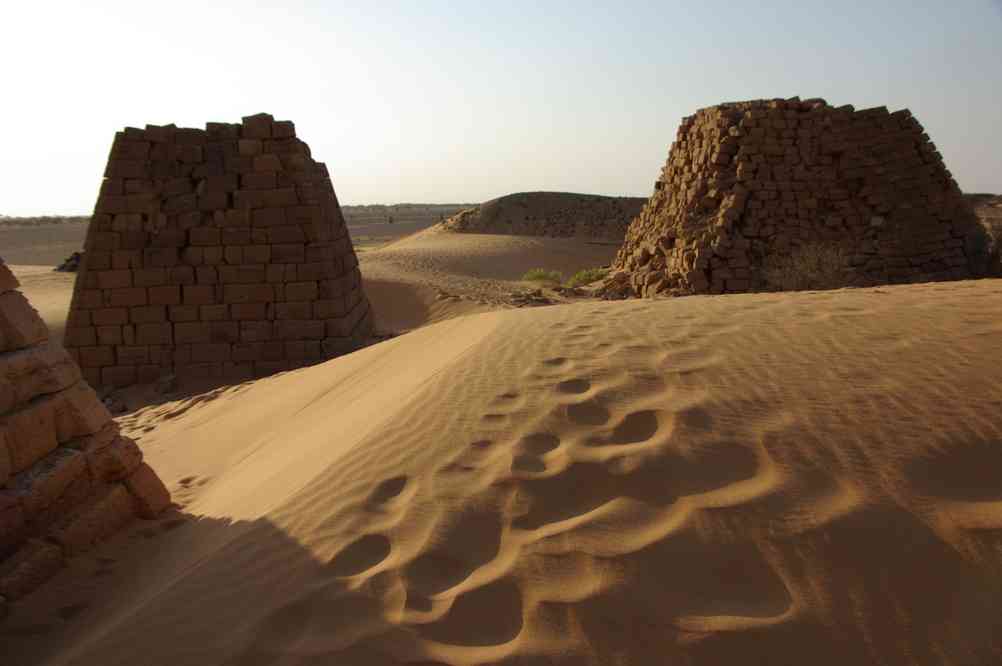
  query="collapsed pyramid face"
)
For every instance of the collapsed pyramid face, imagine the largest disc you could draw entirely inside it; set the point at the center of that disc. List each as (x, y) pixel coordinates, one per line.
(67, 477)
(215, 253)
(751, 186)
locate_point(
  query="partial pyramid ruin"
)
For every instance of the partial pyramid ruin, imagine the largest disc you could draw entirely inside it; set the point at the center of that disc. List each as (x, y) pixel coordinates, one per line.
(67, 477)
(215, 253)
(552, 214)
(758, 192)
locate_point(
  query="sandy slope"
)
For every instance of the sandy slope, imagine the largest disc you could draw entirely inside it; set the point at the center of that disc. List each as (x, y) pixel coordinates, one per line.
(49, 292)
(784, 479)
(482, 268)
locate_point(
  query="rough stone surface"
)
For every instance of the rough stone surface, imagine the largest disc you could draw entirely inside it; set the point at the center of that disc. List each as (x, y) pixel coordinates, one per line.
(151, 495)
(68, 478)
(32, 565)
(554, 214)
(213, 254)
(751, 187)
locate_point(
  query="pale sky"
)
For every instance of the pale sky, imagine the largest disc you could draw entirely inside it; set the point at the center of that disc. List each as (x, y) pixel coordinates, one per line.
(455, 102)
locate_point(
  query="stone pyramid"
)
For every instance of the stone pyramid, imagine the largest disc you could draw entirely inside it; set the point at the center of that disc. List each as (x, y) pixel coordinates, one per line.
(752, 188)
(67, 477)
(215, 253)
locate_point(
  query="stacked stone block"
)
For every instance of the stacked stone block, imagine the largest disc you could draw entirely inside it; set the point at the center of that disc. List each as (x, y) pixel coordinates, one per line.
(215, 253)
(67, 477)
(747, 182)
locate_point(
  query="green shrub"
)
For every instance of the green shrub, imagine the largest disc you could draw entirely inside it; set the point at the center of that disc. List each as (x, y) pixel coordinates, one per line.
(587, 276)
(818, 266)
(542, 275)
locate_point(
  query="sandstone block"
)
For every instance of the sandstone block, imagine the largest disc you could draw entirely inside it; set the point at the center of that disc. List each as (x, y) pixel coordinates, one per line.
(250, 146)
(256, 331)
(206, 275)
(127, 297)
(266, 180)
(31, 566)
(268, 217)
(149, 492)
(257, 254)
(292, 329)
(34, 371)
(257, 126)
(148, 314)
(164, 295)
(78, 412)
(78, 336)
(248, 311)
(191, 332)
(30, 433)
(154, 333)
(133, 355)
(210, 352)
(20, 325)
(283, 129)
(199, 294)
(12, 522)
(288, 253)
(264, 163)
(300, 311)
(109, 456)
(214, 313)
(224, 331)
(102, 516)
(40, 485)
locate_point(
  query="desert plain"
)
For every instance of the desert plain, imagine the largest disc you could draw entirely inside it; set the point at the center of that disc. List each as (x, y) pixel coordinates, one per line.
(782, 478)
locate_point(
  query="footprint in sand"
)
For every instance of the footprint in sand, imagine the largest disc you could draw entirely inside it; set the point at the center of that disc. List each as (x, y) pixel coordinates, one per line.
(634, 428)
(529, 451)
(465, 542)
(572, 386)
(588, 412)
(360, 556)
(971, 472)
(388, 490)
(486, 616)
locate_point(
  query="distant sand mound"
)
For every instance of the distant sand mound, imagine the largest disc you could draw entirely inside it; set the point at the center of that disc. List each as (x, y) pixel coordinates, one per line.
(797, 478)
(558, 214)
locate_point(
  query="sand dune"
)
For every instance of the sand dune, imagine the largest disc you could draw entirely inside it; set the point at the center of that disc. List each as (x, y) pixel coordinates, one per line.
(781, 478)
(482, 268)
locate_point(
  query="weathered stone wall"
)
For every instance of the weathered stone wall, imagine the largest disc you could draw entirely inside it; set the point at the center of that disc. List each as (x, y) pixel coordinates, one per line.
(749, 182)
(67, 477)
(214, 253)
(553, 214)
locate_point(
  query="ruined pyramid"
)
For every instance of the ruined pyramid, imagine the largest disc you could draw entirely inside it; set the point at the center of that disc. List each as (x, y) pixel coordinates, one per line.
(215, 253)
(755, 193)
(67, 477)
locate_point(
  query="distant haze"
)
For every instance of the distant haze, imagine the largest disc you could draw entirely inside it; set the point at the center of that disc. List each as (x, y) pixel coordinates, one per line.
(443, 102)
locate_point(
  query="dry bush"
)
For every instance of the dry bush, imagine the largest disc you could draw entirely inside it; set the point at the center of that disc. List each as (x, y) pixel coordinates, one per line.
(817, 266)
(587, 276)
(543, 275)
(993, 225)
